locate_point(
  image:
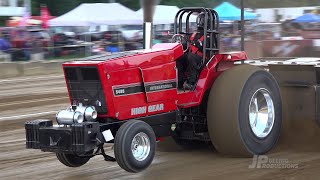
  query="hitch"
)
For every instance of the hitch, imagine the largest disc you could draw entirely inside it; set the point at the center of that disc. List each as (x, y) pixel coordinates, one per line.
(101, 151)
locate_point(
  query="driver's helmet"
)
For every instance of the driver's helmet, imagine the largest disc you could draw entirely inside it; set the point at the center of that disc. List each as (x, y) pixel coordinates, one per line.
(200, 20)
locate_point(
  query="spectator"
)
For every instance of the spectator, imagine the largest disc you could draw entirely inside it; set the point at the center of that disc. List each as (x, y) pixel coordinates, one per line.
(4, 49)
(4, 44)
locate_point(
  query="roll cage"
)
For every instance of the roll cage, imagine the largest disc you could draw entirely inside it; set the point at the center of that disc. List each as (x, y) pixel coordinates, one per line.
(211, 30)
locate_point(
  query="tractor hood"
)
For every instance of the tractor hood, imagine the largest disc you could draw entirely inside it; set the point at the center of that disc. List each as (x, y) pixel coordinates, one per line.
(159, 54)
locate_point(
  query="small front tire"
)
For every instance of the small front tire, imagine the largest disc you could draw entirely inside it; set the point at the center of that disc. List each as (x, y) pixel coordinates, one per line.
(134, 146)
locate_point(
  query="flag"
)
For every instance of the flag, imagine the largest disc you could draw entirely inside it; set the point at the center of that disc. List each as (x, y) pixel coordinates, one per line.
(45, 15)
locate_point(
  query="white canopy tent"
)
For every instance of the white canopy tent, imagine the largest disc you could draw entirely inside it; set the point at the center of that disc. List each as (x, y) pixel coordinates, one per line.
(165, 14)
(97, 14)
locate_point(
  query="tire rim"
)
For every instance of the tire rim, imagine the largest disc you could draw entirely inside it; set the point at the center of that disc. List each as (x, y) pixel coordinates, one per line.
(140, 146)
(261, 113)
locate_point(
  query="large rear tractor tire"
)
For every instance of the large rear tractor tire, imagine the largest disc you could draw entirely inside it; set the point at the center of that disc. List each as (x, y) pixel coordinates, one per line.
(244, 112)
(72, 160)
(134, 146)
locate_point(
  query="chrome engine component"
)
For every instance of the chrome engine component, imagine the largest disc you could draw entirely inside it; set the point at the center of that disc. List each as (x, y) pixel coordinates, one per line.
(68, 117)
(76, 114)
(90, 113)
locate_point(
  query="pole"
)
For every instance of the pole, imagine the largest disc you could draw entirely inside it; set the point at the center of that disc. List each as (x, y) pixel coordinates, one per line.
(148, 10)
(27, 4)
(242, 25)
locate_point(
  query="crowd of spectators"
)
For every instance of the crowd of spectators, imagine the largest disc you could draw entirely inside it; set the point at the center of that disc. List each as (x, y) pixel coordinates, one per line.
(25, 44)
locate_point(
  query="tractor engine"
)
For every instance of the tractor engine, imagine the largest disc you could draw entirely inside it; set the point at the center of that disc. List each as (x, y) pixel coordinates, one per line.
(84, 87)
(76, 114)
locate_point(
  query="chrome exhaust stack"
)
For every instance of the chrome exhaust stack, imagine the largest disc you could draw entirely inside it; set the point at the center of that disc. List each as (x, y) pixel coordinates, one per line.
(148, 11)
(76, 114)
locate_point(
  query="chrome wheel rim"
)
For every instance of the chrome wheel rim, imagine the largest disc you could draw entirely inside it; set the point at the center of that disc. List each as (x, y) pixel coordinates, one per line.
(140, 146)
(261, 113)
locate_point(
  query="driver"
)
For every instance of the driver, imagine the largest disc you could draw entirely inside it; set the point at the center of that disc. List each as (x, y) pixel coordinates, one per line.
(195, 54)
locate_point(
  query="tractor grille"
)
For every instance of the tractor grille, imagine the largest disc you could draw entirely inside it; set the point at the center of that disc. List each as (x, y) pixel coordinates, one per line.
(85, 87)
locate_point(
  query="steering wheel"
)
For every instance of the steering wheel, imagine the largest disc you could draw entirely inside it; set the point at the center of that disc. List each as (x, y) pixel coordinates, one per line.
(182, 39)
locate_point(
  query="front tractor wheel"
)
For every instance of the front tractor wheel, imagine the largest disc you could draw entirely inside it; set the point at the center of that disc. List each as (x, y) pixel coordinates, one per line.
(134, 146)
(244, 111)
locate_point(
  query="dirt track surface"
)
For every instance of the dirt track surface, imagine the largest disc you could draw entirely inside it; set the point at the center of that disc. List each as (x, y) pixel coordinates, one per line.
(34, 98)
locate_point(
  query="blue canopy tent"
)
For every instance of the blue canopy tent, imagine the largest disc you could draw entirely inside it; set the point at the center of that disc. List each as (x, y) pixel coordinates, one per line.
(229, 12)
(307, 18)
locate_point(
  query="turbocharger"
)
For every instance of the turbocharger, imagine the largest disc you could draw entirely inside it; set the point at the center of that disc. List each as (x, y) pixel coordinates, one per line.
(76, 114)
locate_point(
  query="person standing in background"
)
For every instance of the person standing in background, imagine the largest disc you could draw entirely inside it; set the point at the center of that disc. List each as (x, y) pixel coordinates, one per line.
(4, 44)
(4, 49)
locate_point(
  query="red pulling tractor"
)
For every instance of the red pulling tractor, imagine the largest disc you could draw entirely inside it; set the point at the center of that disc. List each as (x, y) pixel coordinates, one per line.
(132, 98)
